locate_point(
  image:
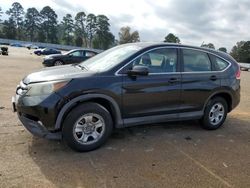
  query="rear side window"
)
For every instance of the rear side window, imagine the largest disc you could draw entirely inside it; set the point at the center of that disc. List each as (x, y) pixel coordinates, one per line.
(89, 54)
(196, 61)
(219, 64)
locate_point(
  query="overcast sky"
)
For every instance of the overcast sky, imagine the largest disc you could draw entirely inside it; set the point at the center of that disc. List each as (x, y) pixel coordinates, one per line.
(222, 22)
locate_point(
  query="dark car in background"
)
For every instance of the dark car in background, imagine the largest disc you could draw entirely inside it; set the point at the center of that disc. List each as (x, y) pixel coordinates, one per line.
(47, 51)
(71, 57)
(16, 45)
(131, 84)
(4, 50)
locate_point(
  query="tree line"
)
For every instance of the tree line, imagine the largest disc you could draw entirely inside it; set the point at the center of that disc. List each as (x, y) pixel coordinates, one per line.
(83, 30)
(240, 52)
(87, 30)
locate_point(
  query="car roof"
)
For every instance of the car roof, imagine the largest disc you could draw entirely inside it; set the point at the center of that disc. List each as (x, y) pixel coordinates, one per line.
(146, 45)
(91, 50)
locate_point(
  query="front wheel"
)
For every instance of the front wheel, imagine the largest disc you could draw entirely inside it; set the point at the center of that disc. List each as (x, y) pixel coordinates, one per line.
(58, 63)
(215, 113)
(87, 127)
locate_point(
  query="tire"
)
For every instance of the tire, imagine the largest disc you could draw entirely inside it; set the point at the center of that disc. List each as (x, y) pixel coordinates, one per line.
(58, 63)
(78, 127)
(215, 114)
(38, 54)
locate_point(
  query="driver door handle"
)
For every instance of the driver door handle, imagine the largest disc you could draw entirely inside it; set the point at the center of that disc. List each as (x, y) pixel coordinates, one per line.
(213, 78)
(173, 80)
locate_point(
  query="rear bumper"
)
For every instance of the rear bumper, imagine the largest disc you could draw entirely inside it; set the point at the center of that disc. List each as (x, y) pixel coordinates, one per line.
(37, 129)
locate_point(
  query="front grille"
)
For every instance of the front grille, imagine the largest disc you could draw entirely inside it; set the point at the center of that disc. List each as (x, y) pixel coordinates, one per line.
(21, 89)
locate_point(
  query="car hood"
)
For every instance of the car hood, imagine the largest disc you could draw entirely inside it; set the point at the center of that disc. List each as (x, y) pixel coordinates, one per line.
(65, 72)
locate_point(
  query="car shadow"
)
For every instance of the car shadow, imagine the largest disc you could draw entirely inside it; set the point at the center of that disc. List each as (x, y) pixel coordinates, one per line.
(121, 154)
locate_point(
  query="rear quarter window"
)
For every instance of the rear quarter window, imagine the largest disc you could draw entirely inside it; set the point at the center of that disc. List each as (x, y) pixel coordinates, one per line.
(219, 64)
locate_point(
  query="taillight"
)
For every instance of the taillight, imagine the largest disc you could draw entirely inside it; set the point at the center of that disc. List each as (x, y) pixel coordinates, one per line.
(237, 74)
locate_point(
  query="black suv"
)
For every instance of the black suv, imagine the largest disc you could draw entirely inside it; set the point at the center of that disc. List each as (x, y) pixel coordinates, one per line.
(73, 56)
(128, 85)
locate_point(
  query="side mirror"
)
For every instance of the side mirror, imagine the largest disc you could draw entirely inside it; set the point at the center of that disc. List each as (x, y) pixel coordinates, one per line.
(138, 70)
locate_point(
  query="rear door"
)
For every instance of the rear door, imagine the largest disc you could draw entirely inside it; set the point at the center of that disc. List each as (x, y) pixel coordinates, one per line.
(87, 54)
(198, 79)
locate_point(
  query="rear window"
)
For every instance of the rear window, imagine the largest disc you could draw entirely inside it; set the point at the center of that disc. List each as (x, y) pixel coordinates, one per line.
(89, 54)
(219, 64)
(196, 61)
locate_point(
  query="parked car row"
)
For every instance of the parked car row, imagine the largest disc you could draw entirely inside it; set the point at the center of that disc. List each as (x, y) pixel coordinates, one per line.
(244, 66)
(47, 51)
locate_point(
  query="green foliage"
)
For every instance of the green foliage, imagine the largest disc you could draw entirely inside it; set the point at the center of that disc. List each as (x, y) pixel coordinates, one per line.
(9, 29)
(16, 13)
(209, 45)
(171, 38)
(78, 41)
(223, 49)
(31, 23)
(84, 30)
(68, 28)
(1, 12)
(126, 36)
(80, 29)
(241, 51)
(90, 28)
(103, 37)
(48, 24)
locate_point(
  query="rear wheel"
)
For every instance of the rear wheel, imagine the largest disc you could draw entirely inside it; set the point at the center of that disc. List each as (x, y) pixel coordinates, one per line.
(58, 63)
(215, 113)
(87, 127)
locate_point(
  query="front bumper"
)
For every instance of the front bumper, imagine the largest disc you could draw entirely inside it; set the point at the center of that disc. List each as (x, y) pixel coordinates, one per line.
(37, 129)
(48, 62)
(39, 119)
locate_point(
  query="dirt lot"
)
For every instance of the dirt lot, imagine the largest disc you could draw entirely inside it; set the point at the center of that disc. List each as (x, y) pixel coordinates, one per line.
(171, 155)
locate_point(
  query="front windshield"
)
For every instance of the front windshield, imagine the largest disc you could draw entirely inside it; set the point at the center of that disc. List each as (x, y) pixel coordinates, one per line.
(110, 58)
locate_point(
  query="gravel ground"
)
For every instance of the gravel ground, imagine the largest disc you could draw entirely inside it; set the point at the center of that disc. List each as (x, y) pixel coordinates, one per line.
(164, 155)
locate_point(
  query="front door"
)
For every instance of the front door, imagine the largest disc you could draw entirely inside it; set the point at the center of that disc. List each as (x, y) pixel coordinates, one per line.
(158, 93)
(75, 57)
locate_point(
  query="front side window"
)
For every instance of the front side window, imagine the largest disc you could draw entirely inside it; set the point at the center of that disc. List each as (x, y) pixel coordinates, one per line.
(196, 61)
(162, 60)
(77, 53)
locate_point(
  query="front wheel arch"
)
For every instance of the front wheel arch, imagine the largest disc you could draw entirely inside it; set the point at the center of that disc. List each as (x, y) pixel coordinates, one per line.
(115, 112)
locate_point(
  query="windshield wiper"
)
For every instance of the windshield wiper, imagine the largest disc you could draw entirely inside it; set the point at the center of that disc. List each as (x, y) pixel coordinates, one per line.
(81, 66)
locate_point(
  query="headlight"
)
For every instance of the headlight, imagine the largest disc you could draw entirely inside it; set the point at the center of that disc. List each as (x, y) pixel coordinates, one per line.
(45, 88)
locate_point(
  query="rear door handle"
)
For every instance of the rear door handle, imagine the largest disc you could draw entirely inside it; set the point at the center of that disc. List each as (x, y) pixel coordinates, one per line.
(213, 78)
(173, 80)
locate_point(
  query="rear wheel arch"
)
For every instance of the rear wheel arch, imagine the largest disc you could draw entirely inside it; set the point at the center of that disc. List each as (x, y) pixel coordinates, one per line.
(223, 94)
(103, 100)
